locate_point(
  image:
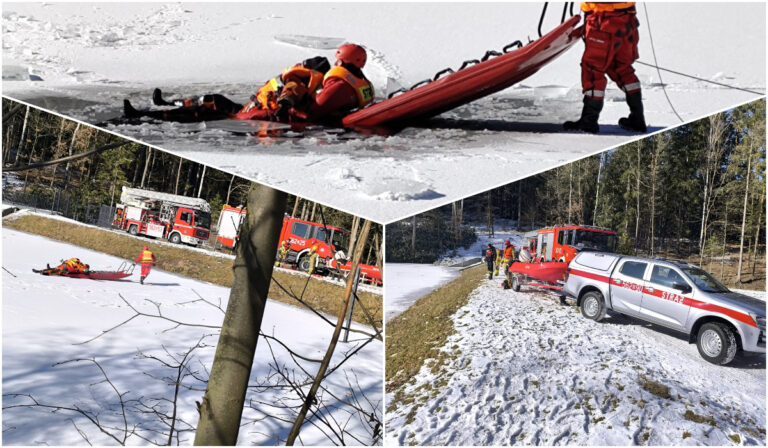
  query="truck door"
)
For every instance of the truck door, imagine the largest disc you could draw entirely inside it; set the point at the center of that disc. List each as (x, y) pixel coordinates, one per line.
(549, 241)
(664, 299)
(627, 286)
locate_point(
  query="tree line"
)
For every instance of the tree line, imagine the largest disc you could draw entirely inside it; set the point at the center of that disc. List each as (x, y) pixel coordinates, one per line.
(695, 192)
(32, 136)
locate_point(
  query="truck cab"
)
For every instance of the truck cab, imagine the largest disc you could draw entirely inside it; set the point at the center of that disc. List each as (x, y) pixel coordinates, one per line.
(673, 294)
(562, 243)
(188, 226)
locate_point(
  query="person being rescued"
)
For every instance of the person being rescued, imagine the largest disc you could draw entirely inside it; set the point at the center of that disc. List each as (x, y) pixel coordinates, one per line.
(310, 92)
(147, 259)
(70, 266)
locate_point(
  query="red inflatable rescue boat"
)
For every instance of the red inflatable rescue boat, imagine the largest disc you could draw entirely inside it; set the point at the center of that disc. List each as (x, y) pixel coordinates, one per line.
(469, 83)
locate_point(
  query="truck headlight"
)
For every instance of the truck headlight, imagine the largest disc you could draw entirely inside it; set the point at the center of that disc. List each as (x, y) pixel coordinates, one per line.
(759, 320)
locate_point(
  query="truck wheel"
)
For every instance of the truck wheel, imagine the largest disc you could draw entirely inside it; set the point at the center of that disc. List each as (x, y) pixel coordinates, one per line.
(515, 283)
(716, 343)
(593, 306)
(133, 230)
(304, 264)
(175, 238)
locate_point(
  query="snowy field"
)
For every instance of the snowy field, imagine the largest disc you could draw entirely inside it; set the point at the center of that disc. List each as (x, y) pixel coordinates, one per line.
(408, 282)
(83, 60)
(524, 370)
(46, 318)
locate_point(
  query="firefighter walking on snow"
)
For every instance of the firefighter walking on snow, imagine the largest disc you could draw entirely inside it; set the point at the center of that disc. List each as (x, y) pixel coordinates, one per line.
(490, 255)
(147, 259)
(610, 48)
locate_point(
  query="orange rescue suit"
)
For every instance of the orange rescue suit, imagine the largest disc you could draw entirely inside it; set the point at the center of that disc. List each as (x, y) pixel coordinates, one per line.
(363, 87)
(268, 94)
(600, 7)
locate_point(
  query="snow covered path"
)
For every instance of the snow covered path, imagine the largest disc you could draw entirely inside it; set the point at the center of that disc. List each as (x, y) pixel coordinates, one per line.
(86, 59)
(45, 317)
(525, 370)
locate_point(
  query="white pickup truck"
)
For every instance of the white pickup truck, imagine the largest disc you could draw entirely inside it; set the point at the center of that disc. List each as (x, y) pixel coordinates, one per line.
(673, 294)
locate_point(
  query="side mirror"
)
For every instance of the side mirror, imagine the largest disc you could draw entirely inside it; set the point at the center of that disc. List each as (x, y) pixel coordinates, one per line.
(683, 288)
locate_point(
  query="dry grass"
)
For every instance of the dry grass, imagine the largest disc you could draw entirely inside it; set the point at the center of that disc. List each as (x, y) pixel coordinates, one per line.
(323, 296)
(418, 333)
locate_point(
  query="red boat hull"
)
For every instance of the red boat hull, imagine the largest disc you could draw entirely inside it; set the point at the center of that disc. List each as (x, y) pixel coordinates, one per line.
(469, 84)
(552, 271)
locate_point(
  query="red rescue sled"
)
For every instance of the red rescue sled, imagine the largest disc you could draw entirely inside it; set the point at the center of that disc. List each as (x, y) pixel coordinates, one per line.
(125, 270)
(548, 274)
(488, 76)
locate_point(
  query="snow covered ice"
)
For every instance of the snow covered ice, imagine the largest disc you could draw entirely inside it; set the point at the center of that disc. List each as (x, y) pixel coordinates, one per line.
(524, 370)
(85, 60)
(44, 318)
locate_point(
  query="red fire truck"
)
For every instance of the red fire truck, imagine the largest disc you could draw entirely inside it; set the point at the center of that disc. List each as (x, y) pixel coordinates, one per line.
(178, 219)
(302, 235)
(563, 242)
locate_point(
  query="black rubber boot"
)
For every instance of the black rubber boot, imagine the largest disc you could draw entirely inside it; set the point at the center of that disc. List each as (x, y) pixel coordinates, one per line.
(181, 114)
(157, 99)
(589, 115)
(142, 280)
(636, 120)
(490, 276)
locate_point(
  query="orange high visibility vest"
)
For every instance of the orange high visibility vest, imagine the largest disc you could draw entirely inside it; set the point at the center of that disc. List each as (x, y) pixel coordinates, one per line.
(363, 87)
(509, 252)
(600, 7)
(267, 95)
(146, 257)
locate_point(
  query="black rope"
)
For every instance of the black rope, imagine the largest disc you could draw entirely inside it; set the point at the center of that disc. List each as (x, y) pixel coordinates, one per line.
(700, 79)
(653, 49)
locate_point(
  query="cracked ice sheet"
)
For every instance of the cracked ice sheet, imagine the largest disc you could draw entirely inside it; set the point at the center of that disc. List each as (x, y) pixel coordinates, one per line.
(524, 370)
(92, 56)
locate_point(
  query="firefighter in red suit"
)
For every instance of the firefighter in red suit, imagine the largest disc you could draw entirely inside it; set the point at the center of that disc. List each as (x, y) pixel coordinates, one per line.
(610, 48)
(147, 259)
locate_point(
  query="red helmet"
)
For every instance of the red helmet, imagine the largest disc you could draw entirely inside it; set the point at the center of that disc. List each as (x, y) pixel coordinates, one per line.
(146, 248)
(507, 243)
(352, 54)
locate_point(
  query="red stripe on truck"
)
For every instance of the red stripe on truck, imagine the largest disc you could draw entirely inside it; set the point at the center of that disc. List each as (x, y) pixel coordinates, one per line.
(741, 317)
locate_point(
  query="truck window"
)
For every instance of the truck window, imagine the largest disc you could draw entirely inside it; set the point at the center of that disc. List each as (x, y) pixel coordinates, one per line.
(300, 229)
(666, 276)
(561, 237)
(203, 219)
(186, 217)
(634, 269)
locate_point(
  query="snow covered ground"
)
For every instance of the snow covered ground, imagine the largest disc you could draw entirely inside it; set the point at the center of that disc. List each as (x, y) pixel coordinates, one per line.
(408, 282)
(82, 60)
(475, 250)
(45, 318)
(524, 370)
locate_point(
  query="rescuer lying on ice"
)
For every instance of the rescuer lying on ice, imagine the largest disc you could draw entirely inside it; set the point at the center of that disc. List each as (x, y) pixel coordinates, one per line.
(71, 266)
(147, 259)
(610, 48)
(310, 91)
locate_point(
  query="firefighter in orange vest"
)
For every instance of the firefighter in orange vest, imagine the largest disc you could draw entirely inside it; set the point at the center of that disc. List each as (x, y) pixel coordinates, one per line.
(70, 266)
(147, 259)
(610, 48)
(345, 88)
(508, 257)
(291, 88)
(282, 253)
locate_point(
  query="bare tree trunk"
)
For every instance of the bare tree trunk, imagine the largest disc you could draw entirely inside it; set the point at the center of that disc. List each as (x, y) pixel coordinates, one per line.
(715, 150)
(725, 243)
(744, 216)
(310, 398)
(637, 192)
(519, 203)
(413, 237)
(229, 189)
(353, 235)
(178, 176)
(295, 207)
(222, 405)
(147, 161)
(304, 211)
(570, 191)
(597, 189)
(312, 216)
(202, 178)
(23, 136)
(379, 250)
(758, 229)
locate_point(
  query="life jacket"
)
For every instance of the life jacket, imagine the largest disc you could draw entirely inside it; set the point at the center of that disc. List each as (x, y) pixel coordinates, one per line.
(75, 265)
(146, 256)
(266, 97)
(490, 254)
(509, 252)
(603, 7)
(363, 87)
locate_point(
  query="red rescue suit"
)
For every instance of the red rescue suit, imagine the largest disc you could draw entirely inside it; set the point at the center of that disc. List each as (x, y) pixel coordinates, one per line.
(342, 92)
(146, 258)
(610, 48)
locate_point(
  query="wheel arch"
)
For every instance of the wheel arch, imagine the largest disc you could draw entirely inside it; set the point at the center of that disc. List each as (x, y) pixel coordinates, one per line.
(585, 290)
(693, 334)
